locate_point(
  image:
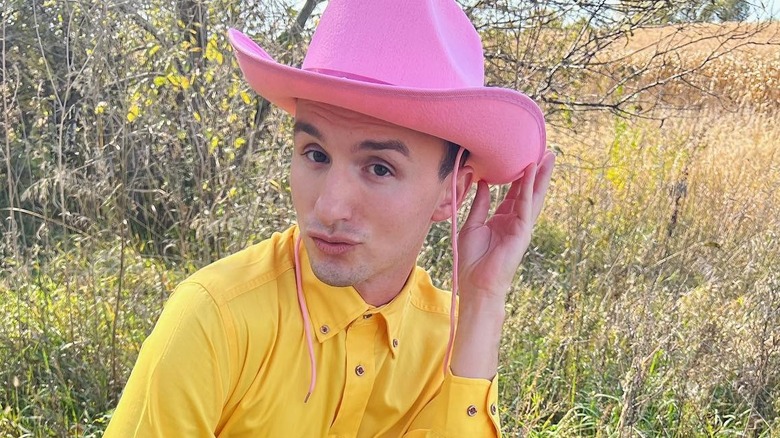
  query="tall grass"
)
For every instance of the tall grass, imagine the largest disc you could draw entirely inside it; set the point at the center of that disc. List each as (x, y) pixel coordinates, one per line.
(650, 304)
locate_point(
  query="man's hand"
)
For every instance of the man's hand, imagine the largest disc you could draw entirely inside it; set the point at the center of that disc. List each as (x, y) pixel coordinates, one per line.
(491, 249)
(490, 252)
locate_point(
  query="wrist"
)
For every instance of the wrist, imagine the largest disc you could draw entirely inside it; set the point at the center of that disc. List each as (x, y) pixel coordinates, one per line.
(481, 305)
(478, 336)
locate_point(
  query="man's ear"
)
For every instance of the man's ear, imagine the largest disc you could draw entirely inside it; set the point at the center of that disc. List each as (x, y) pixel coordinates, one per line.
(465, 179)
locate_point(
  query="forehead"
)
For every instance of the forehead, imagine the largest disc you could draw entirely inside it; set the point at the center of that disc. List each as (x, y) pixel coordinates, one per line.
(332, 121)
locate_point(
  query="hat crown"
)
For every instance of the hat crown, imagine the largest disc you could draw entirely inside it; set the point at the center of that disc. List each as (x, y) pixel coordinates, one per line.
(414, 43)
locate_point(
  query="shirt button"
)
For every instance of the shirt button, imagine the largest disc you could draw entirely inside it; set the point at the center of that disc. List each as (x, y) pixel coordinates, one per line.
(324, 329)
(359, 370)
(368, 315)
(493, 409)
(472, 410)
(395, 343)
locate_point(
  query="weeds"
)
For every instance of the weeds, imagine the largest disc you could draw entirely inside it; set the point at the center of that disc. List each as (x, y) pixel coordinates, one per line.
(655, 312)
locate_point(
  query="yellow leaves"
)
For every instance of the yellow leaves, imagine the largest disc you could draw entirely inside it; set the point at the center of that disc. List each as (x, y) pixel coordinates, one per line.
(196, 115)
(175, 79)
(213, 53)
(239, 142)
(133, 112)
(232, 193)
(100, 108)
(213, 144)
(235, 89)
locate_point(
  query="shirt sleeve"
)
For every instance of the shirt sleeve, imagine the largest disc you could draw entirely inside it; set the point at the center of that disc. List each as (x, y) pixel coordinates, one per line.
(463, 407)
(181, 378)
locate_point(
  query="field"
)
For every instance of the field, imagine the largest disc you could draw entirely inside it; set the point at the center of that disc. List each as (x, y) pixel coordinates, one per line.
(652, 301)
(738, 64)
(648, 305)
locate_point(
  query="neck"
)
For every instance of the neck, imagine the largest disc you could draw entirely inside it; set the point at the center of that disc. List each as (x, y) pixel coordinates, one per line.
(378, 293)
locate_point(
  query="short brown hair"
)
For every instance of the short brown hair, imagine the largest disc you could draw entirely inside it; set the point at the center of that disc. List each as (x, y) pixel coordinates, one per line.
(448, 160)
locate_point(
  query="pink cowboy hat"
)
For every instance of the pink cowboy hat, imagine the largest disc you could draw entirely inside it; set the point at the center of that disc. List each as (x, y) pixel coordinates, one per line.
(416, 64)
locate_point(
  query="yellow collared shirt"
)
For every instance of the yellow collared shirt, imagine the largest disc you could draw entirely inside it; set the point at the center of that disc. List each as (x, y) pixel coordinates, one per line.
(228, 358)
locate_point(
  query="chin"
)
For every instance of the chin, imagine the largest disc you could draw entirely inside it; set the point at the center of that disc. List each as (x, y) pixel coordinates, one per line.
(333, 276)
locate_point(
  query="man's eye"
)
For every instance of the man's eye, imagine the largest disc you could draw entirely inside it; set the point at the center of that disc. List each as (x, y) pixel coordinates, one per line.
(380, 170)
(317, 156)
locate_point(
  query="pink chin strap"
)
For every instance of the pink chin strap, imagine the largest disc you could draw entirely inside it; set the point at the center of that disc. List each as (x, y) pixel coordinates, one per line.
(306, 320)
(307, 329)
(454, 237)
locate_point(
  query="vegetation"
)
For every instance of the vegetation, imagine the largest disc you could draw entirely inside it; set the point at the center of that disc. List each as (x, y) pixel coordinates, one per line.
(649, 305)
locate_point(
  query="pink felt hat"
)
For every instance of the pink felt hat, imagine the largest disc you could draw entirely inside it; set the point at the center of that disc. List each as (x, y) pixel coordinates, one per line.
(416, 64)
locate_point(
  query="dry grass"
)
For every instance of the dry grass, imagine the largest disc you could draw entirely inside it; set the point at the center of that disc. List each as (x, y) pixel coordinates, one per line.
(761, 39)
(734, 65)
(652, 300)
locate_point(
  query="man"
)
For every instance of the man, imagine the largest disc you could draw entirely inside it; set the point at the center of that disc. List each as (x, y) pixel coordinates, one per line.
(329, 328)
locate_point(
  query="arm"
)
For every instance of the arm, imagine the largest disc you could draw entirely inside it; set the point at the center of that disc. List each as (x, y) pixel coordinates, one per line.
(180, 380)
(491, 250)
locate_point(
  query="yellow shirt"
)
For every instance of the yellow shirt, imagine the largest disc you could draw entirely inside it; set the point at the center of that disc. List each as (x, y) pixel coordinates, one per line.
(228, 358)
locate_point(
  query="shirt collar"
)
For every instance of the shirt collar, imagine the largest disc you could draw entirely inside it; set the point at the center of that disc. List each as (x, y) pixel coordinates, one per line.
(332, 309)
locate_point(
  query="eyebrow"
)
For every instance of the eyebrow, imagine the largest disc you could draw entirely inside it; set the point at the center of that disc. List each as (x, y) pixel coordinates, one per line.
(375, 145)
(307, 128)
(372, 145)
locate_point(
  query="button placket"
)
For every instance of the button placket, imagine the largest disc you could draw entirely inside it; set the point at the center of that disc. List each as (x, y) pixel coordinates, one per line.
(359, 377)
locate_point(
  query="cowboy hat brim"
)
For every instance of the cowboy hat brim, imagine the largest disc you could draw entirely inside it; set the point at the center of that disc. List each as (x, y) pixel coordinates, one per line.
(502, 129)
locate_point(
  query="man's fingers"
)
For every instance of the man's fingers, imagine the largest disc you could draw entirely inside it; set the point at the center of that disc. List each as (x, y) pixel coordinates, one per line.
(524, 200)
(514, 190)
(479, 208)
(525, 197)
(506, 206)
(542, 182)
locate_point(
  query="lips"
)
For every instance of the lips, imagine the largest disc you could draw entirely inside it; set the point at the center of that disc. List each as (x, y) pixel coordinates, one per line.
(332, 245)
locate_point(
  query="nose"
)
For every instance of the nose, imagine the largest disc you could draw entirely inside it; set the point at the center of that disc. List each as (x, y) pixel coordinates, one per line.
(336, 197)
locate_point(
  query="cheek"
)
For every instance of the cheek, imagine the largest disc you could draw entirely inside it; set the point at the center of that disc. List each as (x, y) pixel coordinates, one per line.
(406, 212)
(297, 186)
